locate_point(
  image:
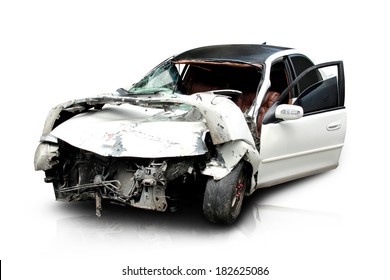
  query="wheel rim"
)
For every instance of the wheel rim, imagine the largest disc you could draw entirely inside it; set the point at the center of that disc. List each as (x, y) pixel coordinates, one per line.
(238, 194)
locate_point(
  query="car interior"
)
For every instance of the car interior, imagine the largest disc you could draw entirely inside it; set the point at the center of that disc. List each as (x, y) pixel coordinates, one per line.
(208, 76)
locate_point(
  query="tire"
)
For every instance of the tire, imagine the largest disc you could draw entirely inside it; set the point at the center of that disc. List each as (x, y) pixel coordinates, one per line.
(223, 198)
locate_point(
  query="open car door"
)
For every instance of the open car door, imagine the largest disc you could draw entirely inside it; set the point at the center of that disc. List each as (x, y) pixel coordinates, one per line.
(299, 146)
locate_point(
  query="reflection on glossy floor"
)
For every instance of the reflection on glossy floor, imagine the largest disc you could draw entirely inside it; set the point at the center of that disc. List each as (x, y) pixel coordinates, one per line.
(129, 226)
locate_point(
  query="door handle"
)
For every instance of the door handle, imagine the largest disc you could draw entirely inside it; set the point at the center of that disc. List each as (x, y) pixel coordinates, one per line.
(333, 126)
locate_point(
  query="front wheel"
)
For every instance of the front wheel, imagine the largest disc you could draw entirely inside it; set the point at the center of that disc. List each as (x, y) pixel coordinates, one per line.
(223, 198)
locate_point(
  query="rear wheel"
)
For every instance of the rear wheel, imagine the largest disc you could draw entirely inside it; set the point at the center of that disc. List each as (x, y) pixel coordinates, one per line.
(223, 198)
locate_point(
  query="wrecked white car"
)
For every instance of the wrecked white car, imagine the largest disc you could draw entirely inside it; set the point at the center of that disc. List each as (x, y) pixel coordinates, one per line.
(221, 121)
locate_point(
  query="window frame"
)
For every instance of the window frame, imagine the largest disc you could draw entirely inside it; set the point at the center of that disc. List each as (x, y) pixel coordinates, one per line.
(296, 91)
(340, 84)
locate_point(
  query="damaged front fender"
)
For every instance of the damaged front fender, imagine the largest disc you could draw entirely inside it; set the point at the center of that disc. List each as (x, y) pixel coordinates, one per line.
(224, 119)
(229, 132)
(229, 156)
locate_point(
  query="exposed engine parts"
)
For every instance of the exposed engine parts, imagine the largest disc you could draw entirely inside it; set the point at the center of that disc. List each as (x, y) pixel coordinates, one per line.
(136, 182)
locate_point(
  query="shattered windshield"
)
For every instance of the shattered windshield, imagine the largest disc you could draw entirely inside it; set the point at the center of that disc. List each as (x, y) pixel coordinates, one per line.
(163, 78)
(194, 76)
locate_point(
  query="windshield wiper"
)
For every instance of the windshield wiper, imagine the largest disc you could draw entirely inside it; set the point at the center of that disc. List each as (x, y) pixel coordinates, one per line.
(122, 91)
(146, 91)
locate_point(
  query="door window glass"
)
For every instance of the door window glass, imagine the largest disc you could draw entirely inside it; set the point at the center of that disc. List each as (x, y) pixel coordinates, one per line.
(325, 94)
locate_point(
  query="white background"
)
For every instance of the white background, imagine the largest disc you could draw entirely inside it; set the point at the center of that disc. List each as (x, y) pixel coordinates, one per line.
(331, 226)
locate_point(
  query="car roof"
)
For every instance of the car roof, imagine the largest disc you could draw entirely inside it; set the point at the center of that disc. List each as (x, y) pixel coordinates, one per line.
(246, 53)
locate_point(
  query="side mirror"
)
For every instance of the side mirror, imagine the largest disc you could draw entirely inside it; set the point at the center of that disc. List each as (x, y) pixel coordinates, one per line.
(288, 112)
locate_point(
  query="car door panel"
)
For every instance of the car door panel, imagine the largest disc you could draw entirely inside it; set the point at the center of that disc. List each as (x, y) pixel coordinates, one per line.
(312, 144)
(297, 148)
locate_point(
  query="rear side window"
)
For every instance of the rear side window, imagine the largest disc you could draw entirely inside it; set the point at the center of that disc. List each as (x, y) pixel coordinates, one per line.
(301, 63)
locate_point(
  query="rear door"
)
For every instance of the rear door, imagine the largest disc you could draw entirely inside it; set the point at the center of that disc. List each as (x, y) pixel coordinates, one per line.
(312, 144)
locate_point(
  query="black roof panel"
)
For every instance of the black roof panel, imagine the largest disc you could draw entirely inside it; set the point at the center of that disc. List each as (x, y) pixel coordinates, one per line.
(254, 54)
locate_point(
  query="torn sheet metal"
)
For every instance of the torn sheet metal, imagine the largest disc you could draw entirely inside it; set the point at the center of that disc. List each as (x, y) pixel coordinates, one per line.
(131, 131)
(229, 156)
(224, 119)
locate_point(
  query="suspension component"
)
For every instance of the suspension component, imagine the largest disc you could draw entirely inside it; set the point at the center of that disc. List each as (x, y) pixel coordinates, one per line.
(98, 199)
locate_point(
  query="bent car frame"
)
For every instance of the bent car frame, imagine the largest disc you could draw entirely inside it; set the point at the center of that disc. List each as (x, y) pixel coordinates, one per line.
(219, 121)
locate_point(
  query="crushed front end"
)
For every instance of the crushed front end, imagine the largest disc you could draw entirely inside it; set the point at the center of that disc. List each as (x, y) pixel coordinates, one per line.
(142, 151)
(78, 175)
(132, 155)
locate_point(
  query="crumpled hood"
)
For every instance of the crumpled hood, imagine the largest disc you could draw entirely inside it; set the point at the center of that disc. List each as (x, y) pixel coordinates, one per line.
(134, 131)
(144, 130)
